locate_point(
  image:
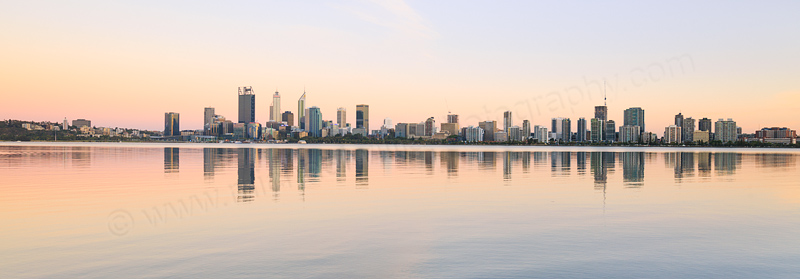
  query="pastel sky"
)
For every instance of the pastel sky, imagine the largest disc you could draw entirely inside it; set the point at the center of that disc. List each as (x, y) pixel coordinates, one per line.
(123, 64)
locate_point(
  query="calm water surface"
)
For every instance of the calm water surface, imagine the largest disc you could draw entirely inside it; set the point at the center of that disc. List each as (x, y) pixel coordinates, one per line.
(355, 211)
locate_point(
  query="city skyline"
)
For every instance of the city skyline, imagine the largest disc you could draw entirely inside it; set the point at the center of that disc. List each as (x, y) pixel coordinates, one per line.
(400, 55)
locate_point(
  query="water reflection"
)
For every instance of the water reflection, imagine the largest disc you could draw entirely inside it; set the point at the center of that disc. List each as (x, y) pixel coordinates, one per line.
(171, 159)
(311, 165)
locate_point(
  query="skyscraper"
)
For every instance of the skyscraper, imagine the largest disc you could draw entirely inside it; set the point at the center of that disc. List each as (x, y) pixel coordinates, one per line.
(687, 130)
(526, 129)
(301, 111)
(562, 129)
(172, 124)
(679, 120)
(247, 105)
(314, 122)
(507, 121)
(362, 116)
(430, 126)
(704, 124)
(276, 107)
(489, 128)
(208, 118)
(634, 117)
(341, 117)
(611, 131)
(288, 117)
(725, 130)
(601, 112)
(598, 130)
(581, 137)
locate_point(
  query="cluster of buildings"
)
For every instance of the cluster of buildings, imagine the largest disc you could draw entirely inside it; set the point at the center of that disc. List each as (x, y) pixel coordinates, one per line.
(309, 122)
(84, 128)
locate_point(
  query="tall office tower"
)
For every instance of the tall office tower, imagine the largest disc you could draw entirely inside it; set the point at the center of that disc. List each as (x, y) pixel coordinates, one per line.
(473, 134)
(301, 111)
(276, 107)
(679, 120)
(362, 116)
(598, 130)
(526, 129)
(562, 129)
(65, 126)
(489, 128)
(288, 117)
(247, 105)
(704, 124)
(725, 130)
(634, 117)
(314, 122)
(672, 134)
(611, 131)
(581, 136)
(401, 130)
(601, 112)
(172, 124)
(208, 118)
(452, 118)
(387, 122)
(687, 130)
(566, 129)
(507, 121)
(430, 126)
(341, 117)
(540, 134)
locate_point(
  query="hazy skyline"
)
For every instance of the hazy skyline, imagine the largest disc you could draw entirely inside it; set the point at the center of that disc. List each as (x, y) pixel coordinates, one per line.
(126, 64)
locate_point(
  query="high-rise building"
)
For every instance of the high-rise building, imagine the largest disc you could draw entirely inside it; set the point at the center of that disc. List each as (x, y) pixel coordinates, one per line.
(276, 107)
(489, 127)
(452, 118)
(172, 124)
(601, 112)
(687, 130)
(598, 130)
(629, 133)
(341, 116)
(679, 120)
(507, 121)
(288, 117)
(65, 126)
(401, 130)
(704, 124)
(725, 130)
(473, 134)
(208, 118)
(514, 133)
(362, 116)
(540, 133)
(611, 131)
(526, 129)
(314, 122)
(672, 134)
(561, 128)
(247, 105)
(581, 136)
(301, 111)
(634, 117)
(430, 126)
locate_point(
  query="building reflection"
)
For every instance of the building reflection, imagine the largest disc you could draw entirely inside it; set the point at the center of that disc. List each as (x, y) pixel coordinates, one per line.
(560, 163)
(314, 164)
(362, 167)
(275, 160)
(450, 160)
(342, 157)
(704, 164)
(171, 159)
(580, 162)
(727, 163)
(246, 174)
(633, 168)
(601, 163)
(302, 155)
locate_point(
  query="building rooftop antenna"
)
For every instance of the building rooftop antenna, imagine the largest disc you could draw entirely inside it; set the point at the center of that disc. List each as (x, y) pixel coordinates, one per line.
(447, 106)
(604, 94)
